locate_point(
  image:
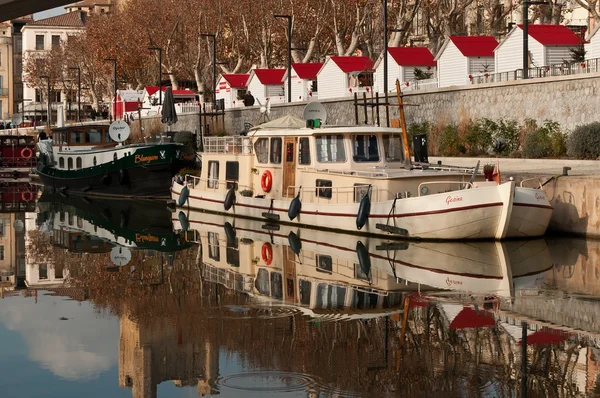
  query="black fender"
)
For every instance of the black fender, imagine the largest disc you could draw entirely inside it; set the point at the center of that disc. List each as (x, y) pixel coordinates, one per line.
(364, 210)
(295, 207)
(295, 243)
(123, 177)
(230, 234)
(364, 260)
(229, 199)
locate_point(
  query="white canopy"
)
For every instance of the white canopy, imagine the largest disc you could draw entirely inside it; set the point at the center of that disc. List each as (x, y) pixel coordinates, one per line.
(285, 122)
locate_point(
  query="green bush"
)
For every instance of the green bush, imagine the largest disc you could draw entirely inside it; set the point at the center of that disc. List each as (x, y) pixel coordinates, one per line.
(186, 138)
(507, 132)
(449, 142)
(477, 137)
(545, 141)
(584, 141)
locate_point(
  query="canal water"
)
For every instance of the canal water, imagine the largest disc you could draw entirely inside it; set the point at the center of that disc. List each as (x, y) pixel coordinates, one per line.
(115, 298)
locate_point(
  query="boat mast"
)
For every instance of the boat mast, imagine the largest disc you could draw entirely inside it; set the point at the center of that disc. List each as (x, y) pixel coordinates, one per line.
(403, 123)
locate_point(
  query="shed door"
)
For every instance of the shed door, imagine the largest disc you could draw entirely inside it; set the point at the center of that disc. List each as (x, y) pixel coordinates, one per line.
(289, 167)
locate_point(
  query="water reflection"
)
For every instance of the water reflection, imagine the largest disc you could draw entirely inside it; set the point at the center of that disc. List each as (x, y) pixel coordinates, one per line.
(230, 307)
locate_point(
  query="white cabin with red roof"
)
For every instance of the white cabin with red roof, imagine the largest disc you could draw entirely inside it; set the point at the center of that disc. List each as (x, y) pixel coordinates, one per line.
(462, 57)
(402, 62)
(342, 76)
(592, 45)
(304, 81)
(128, 102)
(231, 87)
(266, 84)
(183, 99)
(548, 45)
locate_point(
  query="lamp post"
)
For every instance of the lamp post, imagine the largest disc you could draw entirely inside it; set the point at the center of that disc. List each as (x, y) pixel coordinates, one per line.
(214, 62)
(385, 49)
(113, 108)
(49, 108)
(78, 69)
(289, 53)
(526, 4)
(159, 72)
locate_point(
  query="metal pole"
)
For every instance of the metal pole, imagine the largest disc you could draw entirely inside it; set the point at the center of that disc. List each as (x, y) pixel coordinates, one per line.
(385, 49)
(214, 88)
(523, 359)
(289, 63)
(115, 87)
(49, 104)
(525, 39)
(79, 94)
(160, 76)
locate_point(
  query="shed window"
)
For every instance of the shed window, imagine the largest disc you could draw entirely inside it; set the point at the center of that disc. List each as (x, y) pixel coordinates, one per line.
(261, 148)
(78, 163)
(70, 163)
(313, 86)
(324, 192)
(276, 150)
(232, 173)
(93, 136)
(330, 149)
(213, 174)
(364, 148)
(304, 151)
(392, 147)
(61, 163)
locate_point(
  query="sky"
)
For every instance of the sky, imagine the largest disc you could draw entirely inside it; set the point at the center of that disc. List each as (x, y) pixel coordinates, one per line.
(49, 13)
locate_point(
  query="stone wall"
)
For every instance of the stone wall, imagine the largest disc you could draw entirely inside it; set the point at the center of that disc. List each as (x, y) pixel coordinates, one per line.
(569, 100)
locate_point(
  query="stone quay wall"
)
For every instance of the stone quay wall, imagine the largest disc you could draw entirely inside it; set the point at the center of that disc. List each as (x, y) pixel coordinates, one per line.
(568, 100)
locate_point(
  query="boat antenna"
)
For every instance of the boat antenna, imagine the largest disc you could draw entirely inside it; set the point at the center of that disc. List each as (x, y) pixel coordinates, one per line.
(403, 124)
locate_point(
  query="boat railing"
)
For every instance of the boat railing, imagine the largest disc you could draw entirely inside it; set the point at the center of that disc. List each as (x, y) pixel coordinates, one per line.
(464, 184)
(531, 179)
(355, 173)
(229, 144)
(345, 195)
(211, 183)
(442, 167)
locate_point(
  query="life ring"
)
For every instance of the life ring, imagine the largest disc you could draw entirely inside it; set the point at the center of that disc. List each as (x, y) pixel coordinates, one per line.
(26, 153)
(27, 196)
(267, 253)
(266, 181)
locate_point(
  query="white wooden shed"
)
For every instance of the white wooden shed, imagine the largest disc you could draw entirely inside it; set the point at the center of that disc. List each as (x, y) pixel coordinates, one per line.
(304, 81)
(464, 56)
(592, 46)
(548, 45)
(402, 62)
(342, 76)
(231, 87)
(266, 84)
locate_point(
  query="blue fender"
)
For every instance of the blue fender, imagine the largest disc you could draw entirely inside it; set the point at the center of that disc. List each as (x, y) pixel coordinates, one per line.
(183, 196)
(183, 220)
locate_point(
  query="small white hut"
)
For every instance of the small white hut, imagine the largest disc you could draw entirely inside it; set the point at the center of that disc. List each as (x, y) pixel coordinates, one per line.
(463, 56)
(342, 76)
(231, 87)
(185, 100)
(592, 45)
(548, 45)
(402, 62)
(266, 84)
(304, 81)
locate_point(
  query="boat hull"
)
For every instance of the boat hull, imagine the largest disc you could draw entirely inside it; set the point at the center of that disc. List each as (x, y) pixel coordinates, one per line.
(530, 215)
(481, 213)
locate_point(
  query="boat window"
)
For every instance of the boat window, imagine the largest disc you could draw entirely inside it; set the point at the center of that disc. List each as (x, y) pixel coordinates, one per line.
(232, 173)
(364, 300)
(324, 263)
(262, 282)
(304, 151)
(276, 285)
(93, 136)
(76, 137)
(78, 163)
(330, 296)
(214, 251)
(365, 148)
(261, 148)
(323, 192)
(392, 146)
(304, 291)
(60, 138)
(276, 150)
(360, 190)
(232, 253)
(213, 174)
(360, 274)
(61, 163)
(330, 148)
(70, 163)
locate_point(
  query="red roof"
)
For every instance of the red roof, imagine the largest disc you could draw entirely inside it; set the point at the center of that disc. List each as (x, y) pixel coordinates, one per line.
(349, 64)
(546, 336)
(475, 46)
(553, 35)
(151, 90)
(469, 318)
(412, 56)
(270, 76)
(307, 71)
(236, 80)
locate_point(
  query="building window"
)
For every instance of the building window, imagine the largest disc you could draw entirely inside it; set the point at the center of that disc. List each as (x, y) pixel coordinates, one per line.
(261, 148)
(213, 174)
(1, 81)
(55, 41)
(78, 163)
(364, 148)
(39, 97)
(61, 163)
(232, 174)
(304, 151)
(39, 42)
(1, 227)
(1, 110)
(330, 148)
(1, 253)
(324, 192)
(70, 163)
(276, 150)
(43, 271)
(58, 271)
(313, 86)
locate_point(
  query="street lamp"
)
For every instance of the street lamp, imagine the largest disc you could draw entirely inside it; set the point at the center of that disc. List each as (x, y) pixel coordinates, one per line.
(49, 109)
(526, 4)
(78, 69)
(113, 108)
(289, 53)
(214, 62)
(159, 72)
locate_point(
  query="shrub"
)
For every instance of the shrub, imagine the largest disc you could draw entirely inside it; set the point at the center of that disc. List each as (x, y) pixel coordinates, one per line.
(584, 141)
(449, 142)
(192, 172)
(477, 137)
(505, 132)
(545, 141)
(186, 138)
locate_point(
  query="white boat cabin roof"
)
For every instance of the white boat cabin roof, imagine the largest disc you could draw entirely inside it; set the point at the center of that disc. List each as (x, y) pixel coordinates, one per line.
(305, 131)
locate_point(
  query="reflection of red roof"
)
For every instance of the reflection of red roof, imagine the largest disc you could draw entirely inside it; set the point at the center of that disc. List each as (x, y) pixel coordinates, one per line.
(349, 64)
(418, 301)
(546, 336)
(412, 56)
(236, 80)
(151, 90)
(553, 35)
(469, 318)
(307, 71)
(270, 76)
(475, 46)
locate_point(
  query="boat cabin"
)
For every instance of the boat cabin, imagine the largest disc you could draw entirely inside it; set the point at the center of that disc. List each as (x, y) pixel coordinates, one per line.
(72, 146)
(17, 151)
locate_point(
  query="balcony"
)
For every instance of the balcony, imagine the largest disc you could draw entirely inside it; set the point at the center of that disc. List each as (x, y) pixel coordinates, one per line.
(5, 40)
(3, 92)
